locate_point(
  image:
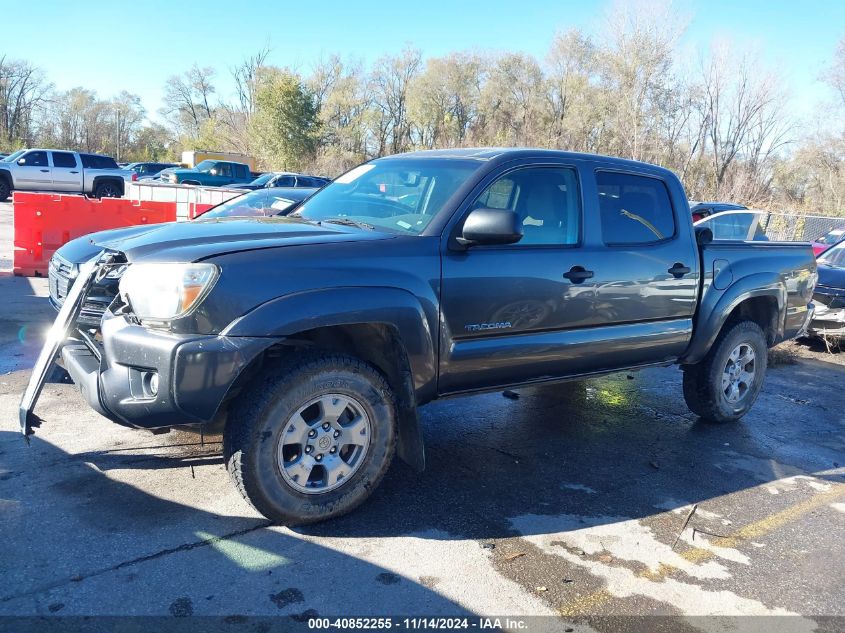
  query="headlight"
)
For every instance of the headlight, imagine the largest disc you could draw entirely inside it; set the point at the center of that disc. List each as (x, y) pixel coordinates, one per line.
(161, 292)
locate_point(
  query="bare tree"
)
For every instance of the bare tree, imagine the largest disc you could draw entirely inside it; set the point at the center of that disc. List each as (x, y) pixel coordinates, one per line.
(24, 92)
(389, 84)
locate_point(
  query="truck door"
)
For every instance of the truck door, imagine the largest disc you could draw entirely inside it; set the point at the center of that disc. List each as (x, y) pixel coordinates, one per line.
(224, 174)
(506, 310)
(66, 172)
(33, 172)
(654, 276)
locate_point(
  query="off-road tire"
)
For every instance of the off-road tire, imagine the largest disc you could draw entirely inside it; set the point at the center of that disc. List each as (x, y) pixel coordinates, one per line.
(259, 414)
(703, 382)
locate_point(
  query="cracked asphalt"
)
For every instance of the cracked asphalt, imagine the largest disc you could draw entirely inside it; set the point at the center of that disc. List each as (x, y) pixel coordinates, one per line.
(569, 501)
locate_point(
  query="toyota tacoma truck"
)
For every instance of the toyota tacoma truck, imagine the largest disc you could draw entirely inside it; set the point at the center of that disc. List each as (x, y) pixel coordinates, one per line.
(311, 339)
(61, 171)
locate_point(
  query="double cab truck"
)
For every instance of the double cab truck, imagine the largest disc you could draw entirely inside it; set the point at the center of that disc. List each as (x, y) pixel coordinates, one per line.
(208, 173)
(311, 339)
(61, 171)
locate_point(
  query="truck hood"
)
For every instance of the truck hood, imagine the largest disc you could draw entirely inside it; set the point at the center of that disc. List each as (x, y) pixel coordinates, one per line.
(200, 239)
(84, 248)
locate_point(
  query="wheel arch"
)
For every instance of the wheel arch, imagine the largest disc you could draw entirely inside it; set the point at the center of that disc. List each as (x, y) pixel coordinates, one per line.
(385, 327)
(758, 298)
(98, 180)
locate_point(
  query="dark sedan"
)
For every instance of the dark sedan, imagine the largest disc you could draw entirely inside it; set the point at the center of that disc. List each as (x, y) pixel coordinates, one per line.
(284, 179)
(829, 296)
(65, 263)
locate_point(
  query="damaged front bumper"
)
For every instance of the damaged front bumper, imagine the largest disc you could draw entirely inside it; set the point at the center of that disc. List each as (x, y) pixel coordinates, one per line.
(63, 325)
(138, 376)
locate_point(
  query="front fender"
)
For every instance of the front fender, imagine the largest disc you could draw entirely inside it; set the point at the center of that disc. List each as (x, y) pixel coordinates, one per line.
(301, 311)
(716, 306)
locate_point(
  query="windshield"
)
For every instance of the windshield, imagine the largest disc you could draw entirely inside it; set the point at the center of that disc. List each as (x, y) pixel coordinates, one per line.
(398, 195)
(13, 157)
(252, 204)
(206, 165)
(263, 179)
(832, 237)
(834, 256)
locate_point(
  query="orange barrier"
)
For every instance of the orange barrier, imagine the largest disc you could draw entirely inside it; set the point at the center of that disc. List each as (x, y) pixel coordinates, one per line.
(45, 221)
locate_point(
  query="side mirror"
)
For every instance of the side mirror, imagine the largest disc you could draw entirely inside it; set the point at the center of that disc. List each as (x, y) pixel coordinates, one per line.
(21, 161)
(213, 171)
(491, 226)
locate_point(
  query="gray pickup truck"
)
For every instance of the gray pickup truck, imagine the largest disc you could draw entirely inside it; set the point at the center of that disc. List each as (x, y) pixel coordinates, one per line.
(311, 339)
(61, 171)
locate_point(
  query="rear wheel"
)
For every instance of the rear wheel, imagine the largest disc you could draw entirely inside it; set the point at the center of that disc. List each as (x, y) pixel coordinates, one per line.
(5, 191)
(312, 439)
(725, 384)
(107, 189)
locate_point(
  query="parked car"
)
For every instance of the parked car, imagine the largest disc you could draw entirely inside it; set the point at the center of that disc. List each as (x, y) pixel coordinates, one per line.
(146, 171)
(700, 210)
(829, 296)
(284, 179)
(827, 240)
(66, 261)
(745, 226)
(310, 339)
(209, 173)
(63, 172)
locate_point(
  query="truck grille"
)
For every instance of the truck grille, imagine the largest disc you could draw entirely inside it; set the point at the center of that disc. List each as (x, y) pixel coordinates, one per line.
(61, 273)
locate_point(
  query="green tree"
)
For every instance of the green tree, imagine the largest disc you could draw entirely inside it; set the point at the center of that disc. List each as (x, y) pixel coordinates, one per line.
(286, 124)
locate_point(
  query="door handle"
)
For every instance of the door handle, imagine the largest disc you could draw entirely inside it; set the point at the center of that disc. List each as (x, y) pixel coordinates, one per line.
(577, 274)
(679, 270)
(74, 172)
(45, 170)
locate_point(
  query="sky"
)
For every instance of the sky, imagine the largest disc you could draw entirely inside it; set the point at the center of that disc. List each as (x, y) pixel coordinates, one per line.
(114, 46)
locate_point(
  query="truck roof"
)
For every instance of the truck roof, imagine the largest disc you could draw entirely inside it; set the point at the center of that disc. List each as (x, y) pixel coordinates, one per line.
(502, 154)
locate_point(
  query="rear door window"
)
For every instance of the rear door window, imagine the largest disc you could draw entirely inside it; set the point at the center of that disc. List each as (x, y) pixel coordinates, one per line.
(63, 159)
(634, 209)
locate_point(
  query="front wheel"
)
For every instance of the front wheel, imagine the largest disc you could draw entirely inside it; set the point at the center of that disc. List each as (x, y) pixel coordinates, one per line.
(5, 191)
(312, 439)
(726, 383)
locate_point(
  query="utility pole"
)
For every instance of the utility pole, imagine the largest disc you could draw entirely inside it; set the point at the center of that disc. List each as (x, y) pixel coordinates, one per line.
(118, 135)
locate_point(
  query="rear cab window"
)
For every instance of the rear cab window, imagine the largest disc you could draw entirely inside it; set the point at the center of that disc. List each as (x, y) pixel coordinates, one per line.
(92, 161)
(634, 209)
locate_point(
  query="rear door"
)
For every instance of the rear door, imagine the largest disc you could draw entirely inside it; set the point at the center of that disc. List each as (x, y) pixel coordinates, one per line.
(66, 172)
(651, 270)
(33, 172)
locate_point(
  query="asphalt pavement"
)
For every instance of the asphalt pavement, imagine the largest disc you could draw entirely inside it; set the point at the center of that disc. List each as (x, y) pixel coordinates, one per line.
(605, 497)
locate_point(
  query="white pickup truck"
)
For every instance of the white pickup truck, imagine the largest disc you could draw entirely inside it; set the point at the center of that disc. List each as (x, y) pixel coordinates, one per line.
(61, 171)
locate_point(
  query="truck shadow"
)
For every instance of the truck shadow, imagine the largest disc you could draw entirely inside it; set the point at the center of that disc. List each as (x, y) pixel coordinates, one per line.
(618, 446)
(75, 541)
